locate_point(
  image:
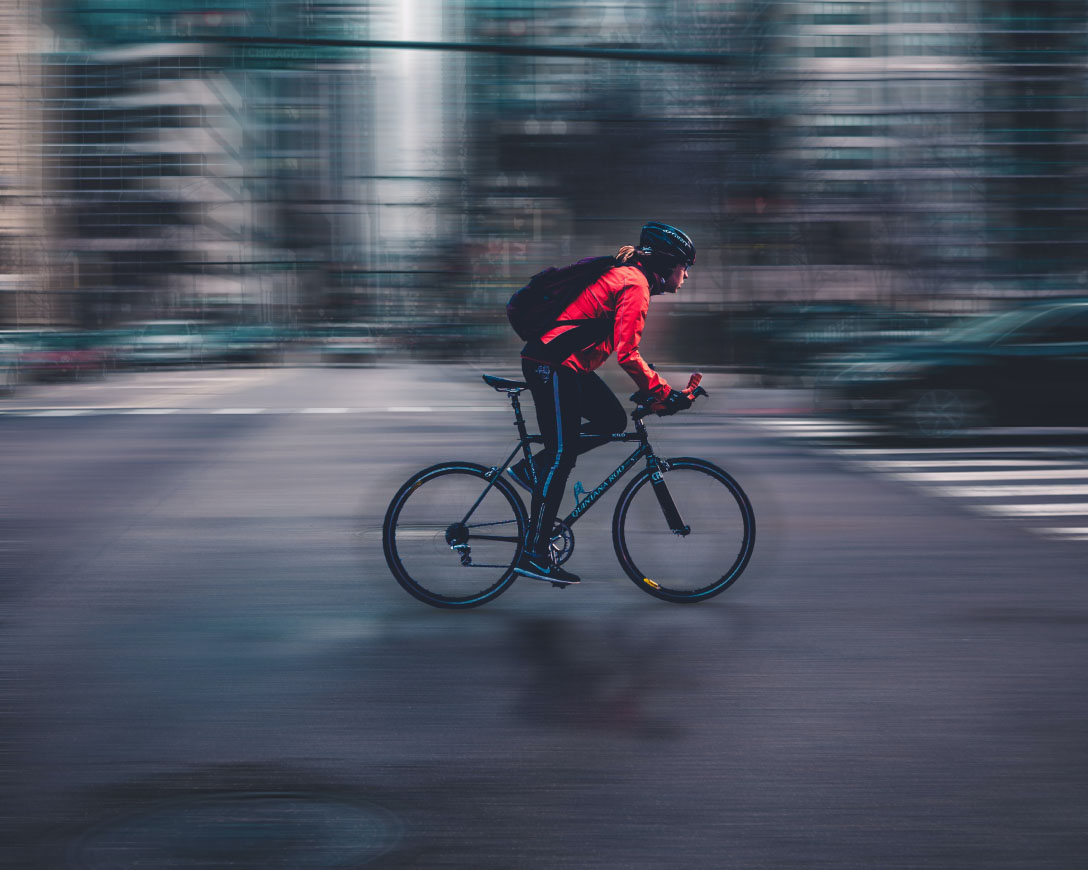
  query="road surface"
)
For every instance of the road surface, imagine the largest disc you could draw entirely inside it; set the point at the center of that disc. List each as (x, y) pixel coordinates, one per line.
(207, 664)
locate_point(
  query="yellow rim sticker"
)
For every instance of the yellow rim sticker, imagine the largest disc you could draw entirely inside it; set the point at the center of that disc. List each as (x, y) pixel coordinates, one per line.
(650, 582)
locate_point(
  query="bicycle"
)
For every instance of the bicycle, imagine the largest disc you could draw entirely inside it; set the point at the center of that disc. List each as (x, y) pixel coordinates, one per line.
(454, 531)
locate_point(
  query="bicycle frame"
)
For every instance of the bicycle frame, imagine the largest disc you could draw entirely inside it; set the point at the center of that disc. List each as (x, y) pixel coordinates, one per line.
(591, 497)
(415, 524)
(644, 450)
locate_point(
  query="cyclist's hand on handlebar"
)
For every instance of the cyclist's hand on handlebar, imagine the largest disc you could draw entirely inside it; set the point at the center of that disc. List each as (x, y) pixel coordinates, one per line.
(676, 400)
(680, 400)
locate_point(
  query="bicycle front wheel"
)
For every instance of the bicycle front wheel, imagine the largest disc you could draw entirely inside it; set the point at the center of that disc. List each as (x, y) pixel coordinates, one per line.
(687, 535)
(451, 535)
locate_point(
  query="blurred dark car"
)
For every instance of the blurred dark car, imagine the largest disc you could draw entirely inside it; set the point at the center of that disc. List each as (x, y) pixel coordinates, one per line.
(1024, 367)
(245, 343)
(795, 337)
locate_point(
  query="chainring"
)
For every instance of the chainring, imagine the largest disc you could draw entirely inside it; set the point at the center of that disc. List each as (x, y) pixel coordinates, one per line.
(561, 545)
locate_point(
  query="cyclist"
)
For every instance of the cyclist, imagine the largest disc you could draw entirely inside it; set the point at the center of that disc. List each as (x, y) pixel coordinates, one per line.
(560, 370)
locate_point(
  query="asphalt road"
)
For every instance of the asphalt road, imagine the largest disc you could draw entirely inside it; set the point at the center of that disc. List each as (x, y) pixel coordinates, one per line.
(206, 663)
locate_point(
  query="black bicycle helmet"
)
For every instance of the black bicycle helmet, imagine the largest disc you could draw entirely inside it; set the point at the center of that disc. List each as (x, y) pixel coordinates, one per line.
(666, 246)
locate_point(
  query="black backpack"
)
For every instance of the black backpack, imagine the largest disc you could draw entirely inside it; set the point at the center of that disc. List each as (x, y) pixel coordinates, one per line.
(535, 308)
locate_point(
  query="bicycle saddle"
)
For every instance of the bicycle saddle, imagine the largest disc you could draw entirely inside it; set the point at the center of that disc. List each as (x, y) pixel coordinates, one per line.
(504, 383)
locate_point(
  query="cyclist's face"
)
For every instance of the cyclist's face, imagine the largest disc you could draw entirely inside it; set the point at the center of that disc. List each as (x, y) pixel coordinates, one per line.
(676, 279)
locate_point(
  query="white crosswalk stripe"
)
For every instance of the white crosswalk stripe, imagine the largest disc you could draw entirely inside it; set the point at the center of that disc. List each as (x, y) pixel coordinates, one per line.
(1044, 488)
(1036, 510)
(1014, 491)
(972, 476)
(1071, 534)
(917, 464)
(1003, 493)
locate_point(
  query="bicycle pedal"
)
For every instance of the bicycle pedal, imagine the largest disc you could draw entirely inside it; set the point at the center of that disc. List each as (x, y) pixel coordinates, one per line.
(560, 585)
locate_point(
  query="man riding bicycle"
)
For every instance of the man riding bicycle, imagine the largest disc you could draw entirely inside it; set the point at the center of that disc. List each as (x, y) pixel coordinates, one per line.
(559, 367)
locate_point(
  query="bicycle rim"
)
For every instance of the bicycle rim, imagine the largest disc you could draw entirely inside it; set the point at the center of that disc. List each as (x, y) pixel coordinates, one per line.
(449, 540)
(697, 565)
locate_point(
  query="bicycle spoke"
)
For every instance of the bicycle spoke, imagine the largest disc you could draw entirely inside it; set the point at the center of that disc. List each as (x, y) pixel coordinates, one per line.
(691, 562)
(439, 558)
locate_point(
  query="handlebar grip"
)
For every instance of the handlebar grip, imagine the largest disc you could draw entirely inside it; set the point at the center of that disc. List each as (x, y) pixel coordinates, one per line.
(693, 381)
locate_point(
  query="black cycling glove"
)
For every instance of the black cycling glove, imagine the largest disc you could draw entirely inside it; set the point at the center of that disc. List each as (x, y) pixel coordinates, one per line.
(675, 401)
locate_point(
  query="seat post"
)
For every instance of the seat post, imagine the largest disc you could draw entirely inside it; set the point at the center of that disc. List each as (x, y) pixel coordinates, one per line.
(519, 419)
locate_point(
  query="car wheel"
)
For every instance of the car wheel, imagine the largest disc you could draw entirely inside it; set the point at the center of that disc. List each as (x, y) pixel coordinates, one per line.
(943, 413)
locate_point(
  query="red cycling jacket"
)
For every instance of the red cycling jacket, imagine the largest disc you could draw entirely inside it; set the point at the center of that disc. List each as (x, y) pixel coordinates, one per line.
(622, 296)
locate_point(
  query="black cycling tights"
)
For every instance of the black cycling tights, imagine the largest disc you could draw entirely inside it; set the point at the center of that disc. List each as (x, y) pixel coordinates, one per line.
(563, 397)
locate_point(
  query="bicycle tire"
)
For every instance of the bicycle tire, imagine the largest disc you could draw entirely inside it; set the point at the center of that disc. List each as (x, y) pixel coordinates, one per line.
(706, 560)
(435, 509)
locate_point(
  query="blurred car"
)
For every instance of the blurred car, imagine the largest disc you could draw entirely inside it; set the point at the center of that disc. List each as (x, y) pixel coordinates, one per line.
(50, 355)
(248, 343)
(9, 366)
(1023, 367)
(163, 342)
(450, 340)
(347, 343)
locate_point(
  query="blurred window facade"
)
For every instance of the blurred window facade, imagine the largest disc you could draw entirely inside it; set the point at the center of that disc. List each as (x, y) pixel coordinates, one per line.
(218, 162)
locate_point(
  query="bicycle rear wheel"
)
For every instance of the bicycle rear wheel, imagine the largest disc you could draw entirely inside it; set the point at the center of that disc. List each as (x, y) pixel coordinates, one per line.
(715, 541)
(449, 539)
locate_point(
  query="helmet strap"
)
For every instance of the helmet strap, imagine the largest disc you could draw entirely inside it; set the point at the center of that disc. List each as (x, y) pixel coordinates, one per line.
(653, 278)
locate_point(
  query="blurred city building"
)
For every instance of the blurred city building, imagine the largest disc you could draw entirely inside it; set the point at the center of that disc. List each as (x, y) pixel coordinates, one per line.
(188, 179)
(23, 232)
(409, 163)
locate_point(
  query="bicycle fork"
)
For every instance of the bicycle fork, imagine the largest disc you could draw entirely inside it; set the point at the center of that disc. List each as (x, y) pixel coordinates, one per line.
(664, 498)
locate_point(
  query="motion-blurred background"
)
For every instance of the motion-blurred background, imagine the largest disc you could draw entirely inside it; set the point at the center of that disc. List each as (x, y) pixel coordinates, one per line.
(214, 180)
(206, 661)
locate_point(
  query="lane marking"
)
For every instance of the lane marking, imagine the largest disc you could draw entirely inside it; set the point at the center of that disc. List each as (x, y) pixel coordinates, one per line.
(815, 429)
(801, 423)
(948, 451)
(894, 464)
(1079, 534)
(970, 476)
(1013, 491)
(1076, 509)
(125, 410)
